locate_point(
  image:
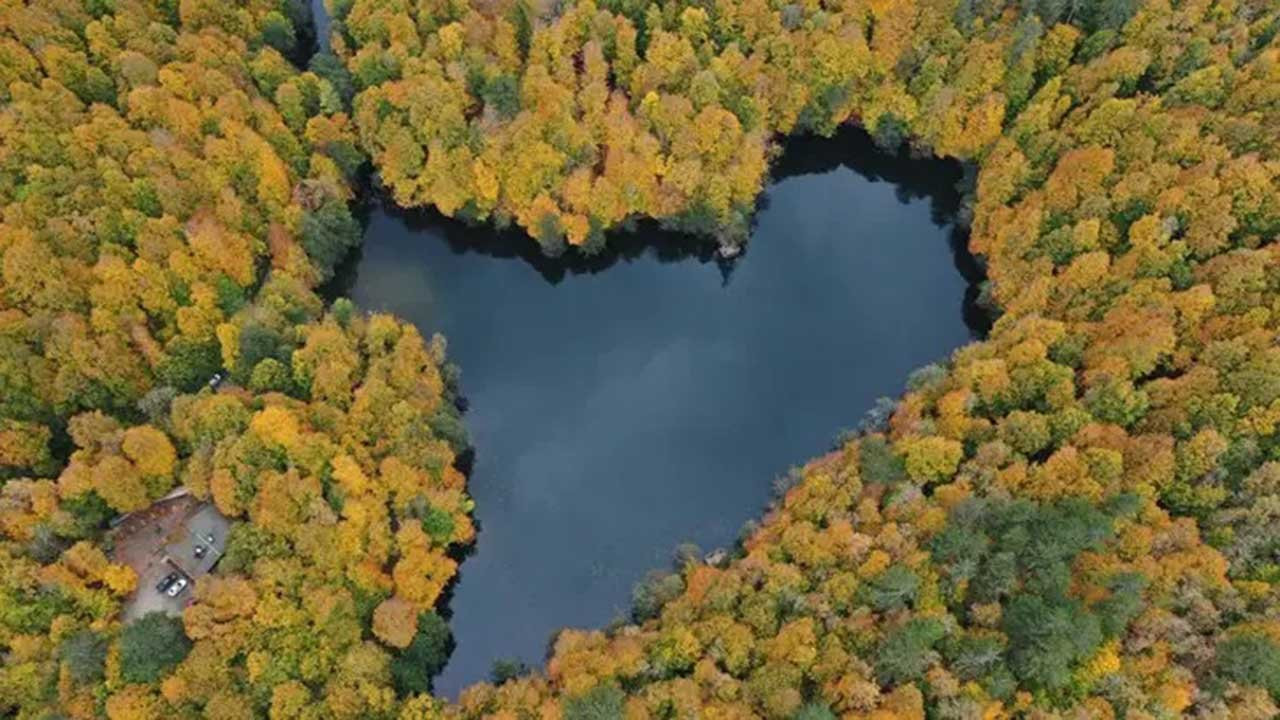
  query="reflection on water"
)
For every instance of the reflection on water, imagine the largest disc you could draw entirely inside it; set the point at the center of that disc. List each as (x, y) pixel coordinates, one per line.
(616, 414)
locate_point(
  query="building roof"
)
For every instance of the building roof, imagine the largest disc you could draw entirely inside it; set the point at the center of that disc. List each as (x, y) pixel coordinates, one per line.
(195, 531)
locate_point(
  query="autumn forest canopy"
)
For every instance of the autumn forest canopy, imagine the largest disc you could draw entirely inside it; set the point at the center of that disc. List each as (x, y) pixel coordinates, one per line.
(1073, 517)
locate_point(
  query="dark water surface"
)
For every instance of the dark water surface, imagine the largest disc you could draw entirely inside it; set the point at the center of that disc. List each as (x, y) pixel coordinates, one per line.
(320, 24)
(624, 403)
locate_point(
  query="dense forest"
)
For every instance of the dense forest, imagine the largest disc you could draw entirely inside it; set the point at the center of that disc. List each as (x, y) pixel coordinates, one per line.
(174, 189)
(1074, 517)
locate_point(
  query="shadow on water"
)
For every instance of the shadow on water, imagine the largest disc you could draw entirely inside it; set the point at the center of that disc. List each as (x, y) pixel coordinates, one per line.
(645, 238)
(933, 179)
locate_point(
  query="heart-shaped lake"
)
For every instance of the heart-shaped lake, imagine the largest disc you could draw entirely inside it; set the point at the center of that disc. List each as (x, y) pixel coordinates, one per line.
(625, 403)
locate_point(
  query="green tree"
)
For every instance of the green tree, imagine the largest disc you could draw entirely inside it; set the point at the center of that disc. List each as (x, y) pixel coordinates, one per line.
(907, 651)
(1048, 639)
(328, 233)
(150, 646)
(654, 591)
(815, 711)
(602, 702)
(414, 667)
(1250, 658)
(893, 589)
(85, 653)
(278, 32)
(505, 669)
(189, 362)
(329, 67)
(270, 375)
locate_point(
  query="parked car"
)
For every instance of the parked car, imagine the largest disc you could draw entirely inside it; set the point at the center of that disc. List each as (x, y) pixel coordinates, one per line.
(217, 379)
(199, 551)
(209, 539)
(168, 580)
(177, 587)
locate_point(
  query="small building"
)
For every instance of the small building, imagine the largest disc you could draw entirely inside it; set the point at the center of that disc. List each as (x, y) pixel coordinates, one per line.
(197, 544)
(179, 535)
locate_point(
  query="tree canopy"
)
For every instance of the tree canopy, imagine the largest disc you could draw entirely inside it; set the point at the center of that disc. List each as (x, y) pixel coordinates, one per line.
(1072, 517)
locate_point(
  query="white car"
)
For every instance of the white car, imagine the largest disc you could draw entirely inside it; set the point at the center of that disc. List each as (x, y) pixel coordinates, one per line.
(177, 587)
